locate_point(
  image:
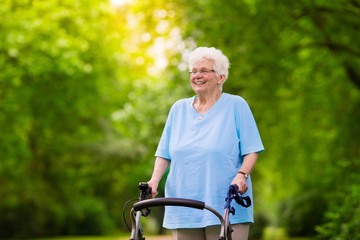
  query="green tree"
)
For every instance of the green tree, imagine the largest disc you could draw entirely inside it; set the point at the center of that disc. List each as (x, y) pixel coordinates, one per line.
(59, 62)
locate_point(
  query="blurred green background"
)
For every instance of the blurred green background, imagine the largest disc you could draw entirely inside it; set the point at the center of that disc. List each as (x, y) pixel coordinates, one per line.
(86, 85)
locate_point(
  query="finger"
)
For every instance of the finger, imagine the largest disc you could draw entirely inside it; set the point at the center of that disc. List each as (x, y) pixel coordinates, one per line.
(154, 193)
(244, 190)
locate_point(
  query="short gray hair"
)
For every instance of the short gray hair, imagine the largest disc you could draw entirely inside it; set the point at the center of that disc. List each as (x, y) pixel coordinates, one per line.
(221, 65)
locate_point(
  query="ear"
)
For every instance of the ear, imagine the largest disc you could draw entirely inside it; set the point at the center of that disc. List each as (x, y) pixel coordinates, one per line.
(221, 79)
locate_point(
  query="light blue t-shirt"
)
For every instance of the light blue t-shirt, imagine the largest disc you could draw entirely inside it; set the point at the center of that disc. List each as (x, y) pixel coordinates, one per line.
(205, 153)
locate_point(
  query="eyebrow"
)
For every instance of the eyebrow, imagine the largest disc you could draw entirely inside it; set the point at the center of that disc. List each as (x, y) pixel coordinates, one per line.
(203, 68)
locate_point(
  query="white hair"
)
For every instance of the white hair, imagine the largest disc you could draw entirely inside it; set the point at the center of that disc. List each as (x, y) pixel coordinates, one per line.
(221, 62)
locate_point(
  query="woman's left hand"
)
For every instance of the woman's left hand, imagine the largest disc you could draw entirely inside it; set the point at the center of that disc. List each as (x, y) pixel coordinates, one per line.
(240, 181)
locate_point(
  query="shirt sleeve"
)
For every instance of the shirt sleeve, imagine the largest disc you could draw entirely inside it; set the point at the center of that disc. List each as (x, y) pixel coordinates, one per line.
(163, 146)
(247, 130)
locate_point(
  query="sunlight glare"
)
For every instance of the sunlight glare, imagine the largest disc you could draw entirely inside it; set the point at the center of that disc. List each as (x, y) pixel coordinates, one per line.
(120, 2)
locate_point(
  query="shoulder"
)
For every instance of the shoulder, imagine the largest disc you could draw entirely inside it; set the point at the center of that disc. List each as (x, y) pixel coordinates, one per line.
(238, 104)
(235, 99)
(181, 105)
(182, 102)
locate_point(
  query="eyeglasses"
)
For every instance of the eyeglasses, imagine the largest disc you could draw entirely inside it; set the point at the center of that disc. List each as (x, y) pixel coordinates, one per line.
(202, 72)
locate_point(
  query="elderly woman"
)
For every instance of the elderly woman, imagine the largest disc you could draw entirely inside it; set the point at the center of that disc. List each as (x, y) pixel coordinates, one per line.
(210, 141)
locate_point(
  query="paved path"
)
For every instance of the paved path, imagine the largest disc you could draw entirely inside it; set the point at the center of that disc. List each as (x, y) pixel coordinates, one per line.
(163, 237)
(159, 238)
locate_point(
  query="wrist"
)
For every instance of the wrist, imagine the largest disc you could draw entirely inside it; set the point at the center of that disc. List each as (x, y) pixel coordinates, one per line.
(243, 174)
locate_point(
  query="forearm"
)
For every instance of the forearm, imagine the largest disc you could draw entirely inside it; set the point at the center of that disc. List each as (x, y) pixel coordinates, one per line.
(246, 168)
(249, 163)
(160, 167)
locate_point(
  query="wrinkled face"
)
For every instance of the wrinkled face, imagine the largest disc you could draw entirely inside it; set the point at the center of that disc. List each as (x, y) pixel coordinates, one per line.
(205, 81)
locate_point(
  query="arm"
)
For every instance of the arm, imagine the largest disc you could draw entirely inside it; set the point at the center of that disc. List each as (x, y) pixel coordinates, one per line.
(160, 167)
(246, 167)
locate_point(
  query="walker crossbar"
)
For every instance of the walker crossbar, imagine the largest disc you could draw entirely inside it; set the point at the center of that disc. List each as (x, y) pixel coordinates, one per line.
(225, 230)
(180, 202)
(157, 202)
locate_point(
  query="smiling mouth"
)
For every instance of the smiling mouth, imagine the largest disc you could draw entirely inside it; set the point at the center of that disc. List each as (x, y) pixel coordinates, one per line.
(199, 83)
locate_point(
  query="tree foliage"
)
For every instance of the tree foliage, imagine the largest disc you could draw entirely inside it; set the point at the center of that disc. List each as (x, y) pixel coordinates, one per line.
(57, 70)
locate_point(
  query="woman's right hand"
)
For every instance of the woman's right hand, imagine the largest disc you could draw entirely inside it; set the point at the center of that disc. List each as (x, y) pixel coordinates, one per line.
(154, 188)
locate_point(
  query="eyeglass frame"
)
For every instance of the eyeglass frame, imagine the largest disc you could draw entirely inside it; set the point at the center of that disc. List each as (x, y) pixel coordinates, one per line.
(204, 71)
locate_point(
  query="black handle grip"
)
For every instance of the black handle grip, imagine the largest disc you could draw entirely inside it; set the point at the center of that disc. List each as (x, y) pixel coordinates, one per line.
(157, 202)
(143, 186)
(243, 201)
(145, 190)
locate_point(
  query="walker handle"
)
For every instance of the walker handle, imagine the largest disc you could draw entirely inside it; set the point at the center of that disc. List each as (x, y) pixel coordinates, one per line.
(157, 202)
(243, 201)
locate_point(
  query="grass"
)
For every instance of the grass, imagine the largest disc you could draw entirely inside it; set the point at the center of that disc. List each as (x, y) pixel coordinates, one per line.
(270, 233)
(127, 236)
(273, 233)
(115, 237)
(124, 236)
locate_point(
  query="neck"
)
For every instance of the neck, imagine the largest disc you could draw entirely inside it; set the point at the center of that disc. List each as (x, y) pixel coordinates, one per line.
(208, 98)
(204, 103)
